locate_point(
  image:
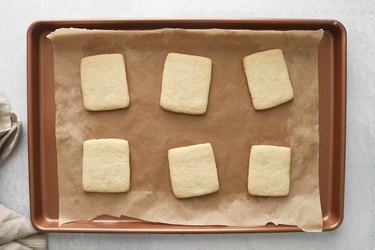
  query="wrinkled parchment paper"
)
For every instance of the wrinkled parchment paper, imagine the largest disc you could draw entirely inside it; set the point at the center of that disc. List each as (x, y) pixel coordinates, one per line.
(231, 125)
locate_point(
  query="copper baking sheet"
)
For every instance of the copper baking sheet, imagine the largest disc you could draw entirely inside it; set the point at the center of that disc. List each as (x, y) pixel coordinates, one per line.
(41, 123)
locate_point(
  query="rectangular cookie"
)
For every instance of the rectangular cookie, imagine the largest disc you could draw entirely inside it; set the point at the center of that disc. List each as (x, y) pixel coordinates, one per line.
(106, 166)
(186, 83)
(193, 170)
(269, 170)
(103, 81)
(268, 79)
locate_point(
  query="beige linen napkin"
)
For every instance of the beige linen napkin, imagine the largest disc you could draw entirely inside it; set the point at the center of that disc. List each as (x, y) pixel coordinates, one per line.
(16, 231)
(10, 128)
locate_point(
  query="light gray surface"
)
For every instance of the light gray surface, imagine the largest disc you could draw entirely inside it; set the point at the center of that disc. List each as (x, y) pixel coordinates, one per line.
(357, 231)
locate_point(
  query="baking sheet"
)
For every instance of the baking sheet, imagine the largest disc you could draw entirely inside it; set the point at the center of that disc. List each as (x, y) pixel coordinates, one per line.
(231, 125)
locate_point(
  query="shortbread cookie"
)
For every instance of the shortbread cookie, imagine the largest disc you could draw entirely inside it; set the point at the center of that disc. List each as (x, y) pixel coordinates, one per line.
(104, 83)
(186, 83)
(106, 166)
(269, 170)
(268, 79)
(193, 170)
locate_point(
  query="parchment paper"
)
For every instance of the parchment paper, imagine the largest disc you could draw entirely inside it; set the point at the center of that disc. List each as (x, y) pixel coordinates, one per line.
(231, 125)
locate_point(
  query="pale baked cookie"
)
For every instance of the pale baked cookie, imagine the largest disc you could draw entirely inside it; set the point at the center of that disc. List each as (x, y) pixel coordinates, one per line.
(104, 83)
(186, 83)
(193, 170)
(106, 167)
(268, 79)
(269, 170)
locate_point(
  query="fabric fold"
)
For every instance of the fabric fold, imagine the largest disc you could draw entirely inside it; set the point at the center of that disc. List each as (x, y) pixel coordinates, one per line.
(16, 231)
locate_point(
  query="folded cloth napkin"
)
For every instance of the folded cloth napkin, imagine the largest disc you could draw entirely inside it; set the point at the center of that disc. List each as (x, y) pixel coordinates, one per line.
(10, 128)
(5, 123)
(16, 231)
